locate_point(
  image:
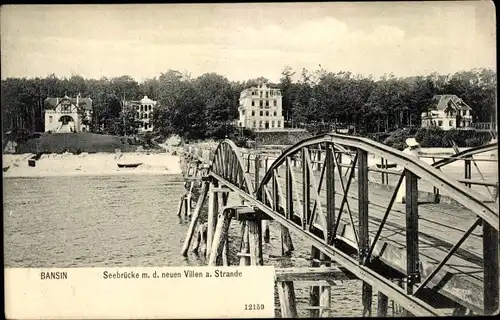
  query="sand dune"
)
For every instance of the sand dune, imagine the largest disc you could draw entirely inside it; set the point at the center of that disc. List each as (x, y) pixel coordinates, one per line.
(68, 164)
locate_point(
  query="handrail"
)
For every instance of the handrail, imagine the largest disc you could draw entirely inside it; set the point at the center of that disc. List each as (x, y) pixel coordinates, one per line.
(466, 197)
(235, 150)
(466, 153)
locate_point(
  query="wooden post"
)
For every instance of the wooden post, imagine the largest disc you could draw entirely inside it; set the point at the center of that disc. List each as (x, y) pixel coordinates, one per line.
(221, 233)
(245, 246)
(257, 170)
(330, 190)
(364, 241)
(181, 205)
(187, 201)
(325, 295)
(490, 265)
(382, 167)
(200, 242)
(412, 260)
(213, 209)
(339, 161)
(305, 190)
(286, 294)
(203, 243)
(197, 240)
(265, 228)
(318, 168)
(225, 252)
(194, 218)
(286, 242)
(255, 242)
(314, 290)
(382, 302)
(468, 171)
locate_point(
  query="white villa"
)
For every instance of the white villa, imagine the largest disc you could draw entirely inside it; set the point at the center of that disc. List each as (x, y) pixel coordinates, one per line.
(67, 114)
(447, 112)
(144, 108)
(260, 108)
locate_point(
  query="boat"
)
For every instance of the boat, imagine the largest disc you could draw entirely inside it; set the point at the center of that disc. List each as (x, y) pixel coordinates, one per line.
(386, 166)
(128, 165)
(5, 168)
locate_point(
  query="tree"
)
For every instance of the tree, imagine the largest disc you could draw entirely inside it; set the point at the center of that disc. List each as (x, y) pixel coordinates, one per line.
(286, 86)
(220, 107)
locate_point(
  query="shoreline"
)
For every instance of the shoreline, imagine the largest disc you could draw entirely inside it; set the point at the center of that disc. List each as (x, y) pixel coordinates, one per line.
(91, 164)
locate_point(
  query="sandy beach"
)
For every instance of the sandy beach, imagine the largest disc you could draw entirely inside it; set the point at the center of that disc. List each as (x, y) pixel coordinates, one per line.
(68, 164)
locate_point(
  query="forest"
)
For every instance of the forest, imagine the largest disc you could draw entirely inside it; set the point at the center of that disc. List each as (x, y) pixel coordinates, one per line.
(206, 106)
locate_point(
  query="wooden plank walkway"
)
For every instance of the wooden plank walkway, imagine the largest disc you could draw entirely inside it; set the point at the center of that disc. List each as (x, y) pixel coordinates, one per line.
(440, 227)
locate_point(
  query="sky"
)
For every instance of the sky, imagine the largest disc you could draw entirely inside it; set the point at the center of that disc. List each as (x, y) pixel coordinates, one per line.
(247, 40)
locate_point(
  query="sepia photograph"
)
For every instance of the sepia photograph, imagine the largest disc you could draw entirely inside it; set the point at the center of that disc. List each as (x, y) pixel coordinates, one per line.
(347, 149)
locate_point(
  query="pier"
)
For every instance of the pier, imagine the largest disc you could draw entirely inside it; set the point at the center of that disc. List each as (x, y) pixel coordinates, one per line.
(435, 254)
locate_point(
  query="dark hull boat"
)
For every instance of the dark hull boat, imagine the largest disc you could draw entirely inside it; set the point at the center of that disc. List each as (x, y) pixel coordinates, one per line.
(128, 165)
(5, 168)
(387, 166)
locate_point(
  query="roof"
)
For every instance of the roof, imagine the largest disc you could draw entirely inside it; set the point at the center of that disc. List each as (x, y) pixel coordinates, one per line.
(144, 100)
(445, 101)
(85, 103)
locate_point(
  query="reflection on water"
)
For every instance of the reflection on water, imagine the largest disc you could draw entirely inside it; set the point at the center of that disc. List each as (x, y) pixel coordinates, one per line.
(93, 221)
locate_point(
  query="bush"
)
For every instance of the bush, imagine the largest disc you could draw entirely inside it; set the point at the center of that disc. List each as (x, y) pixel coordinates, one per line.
(397, 139)
(378, 136)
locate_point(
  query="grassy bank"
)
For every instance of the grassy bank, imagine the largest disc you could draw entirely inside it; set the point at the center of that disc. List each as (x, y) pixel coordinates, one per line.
(76, 143)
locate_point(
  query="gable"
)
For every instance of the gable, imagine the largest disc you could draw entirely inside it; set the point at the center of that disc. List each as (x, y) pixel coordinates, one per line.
(447, 102)
(66, 105)
(53, 103)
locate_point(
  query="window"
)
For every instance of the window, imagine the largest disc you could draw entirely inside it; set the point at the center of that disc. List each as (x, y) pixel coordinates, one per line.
(253, 113)
(267, 113)
(261, 94)
(137, 107)
(451, 123)
(242, 112)
(267, 103)
(137, 115)
(50, 119)
(142, 108)
(440, 123)
(279, 124)
(272, 124)
(253, 103)
(239, 124)
(145, 126)
(150, 107)
(267, 94)
(261, 103)
(260, 124)
(274, 113)
(464, 112)
(261, 113)
(275, 103)
(255, 124)
(145, 116)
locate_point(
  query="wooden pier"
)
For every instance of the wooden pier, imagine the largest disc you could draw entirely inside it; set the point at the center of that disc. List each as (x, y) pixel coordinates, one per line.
(435, 254)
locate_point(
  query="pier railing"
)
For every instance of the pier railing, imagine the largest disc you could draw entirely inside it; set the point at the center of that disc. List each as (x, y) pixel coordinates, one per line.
(324, 191)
